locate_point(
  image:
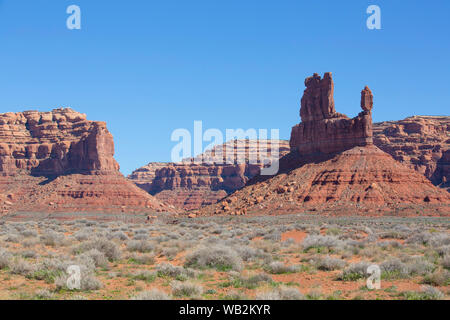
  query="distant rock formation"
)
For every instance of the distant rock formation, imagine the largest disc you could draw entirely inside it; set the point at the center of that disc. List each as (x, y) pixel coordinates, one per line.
(334, 167)
(322, 129)
(210, 176)
(421, 143)
(60, 161)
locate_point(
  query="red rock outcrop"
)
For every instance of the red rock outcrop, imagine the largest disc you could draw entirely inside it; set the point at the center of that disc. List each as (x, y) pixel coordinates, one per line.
(420, 142)
(334, 166)
(210, 176)
(322, 129)
(55, 143)
(60, 161)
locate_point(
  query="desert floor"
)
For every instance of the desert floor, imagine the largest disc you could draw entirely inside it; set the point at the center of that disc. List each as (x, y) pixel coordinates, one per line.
(285, 257)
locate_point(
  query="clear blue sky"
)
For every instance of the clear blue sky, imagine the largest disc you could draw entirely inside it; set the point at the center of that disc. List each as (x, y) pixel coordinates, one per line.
(149, 67)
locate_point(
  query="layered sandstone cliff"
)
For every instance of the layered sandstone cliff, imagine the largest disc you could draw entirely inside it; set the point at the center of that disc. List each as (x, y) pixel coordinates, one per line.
(333, 165)
(55, 143)
(60, 161)
(421, 143)
(210, 176)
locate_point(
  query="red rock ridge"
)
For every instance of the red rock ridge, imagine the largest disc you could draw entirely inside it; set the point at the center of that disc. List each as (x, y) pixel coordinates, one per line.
(207, 178)
(420, 142)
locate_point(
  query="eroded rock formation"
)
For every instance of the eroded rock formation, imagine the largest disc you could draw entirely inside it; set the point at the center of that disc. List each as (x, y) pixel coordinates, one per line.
(334, 166)
(210, 176)
(55, 143)
(322, 129)
(421, 143)
(60, 161)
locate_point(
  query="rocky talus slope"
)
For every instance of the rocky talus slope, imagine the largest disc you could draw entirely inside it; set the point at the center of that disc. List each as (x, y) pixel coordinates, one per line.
(60, 161)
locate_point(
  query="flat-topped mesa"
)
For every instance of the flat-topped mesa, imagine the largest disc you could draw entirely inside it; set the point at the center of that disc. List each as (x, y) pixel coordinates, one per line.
(53, 143)
(323, 130)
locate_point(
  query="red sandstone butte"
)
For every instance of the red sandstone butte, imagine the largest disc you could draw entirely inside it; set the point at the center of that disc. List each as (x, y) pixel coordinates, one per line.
(59, 161)
(335, 167)
(322, 129)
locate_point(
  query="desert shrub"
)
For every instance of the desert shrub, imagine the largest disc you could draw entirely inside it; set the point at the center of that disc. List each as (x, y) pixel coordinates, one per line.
(5, 258)
(50, 269)
(319, 241)
(29, 233)
(251, 282)
(443, 250)
(140, 246)
(439, 278)
(445, 262)
(268, 295)
(29, 254)
(144, 275)
(144, 258)
(30, 242)
(389, 244)
(234, 295)
(218, 257)
(278, 267)
(329, 263)
(249, 253)
(97, 257)
(169, 270)
(108, 248)
(439, 240)
(83, 234)
(44, 294)
(141, 231)
(427, 238)
(273, 236)
(52, 239)
(282, 293)
(419, 266)
(426, 293)
(20, 266)
(88, 282)
(170, 252)
(355, 271)
(118, 235)
(392, 269)
(140, 237)
(14, 238)
(186, 289)
(153, 294)
(393, 234)
(370, 252)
